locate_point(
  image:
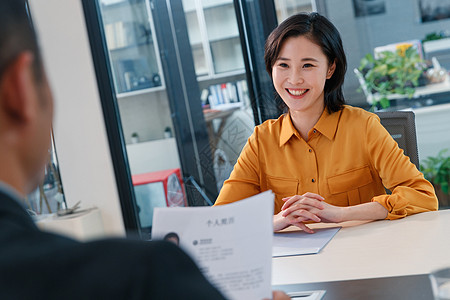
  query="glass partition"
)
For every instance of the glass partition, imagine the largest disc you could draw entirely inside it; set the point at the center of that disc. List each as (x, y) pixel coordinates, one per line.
(144, 128)
(219, 64)
(185, 130)
(132, 48)
(48, 197)
(398, 55)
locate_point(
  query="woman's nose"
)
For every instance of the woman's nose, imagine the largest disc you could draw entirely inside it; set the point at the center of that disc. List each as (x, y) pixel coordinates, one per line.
(296, 77)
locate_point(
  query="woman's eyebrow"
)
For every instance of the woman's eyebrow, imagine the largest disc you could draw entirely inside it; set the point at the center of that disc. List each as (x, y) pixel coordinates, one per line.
(309, 59)
(303, 59)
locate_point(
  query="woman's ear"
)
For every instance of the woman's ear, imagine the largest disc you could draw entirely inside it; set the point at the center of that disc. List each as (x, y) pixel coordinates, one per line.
(331, 70)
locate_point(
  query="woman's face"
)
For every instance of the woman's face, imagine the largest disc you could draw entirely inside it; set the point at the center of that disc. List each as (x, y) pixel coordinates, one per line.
(299, 74)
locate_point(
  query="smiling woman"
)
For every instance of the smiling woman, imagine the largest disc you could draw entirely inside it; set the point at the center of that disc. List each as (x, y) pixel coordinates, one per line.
(300, 80)
(325, 161)
(324, 47)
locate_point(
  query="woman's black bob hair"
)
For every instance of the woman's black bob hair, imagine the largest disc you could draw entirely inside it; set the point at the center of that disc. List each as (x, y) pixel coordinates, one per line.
(322, 32)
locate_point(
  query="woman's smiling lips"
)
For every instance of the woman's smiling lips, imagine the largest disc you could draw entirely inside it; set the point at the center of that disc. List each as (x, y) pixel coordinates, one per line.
(297, 92)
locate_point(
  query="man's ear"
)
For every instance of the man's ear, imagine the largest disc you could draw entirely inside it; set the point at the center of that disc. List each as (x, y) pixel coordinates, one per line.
(331, 70)
(18, 88)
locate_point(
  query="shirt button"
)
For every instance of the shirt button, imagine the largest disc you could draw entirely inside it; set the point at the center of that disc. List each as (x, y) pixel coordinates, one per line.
(313, 180)
(314, 131)
(310, 150)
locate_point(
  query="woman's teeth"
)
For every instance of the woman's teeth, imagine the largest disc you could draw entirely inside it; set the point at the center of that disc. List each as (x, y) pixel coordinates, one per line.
(297, 92)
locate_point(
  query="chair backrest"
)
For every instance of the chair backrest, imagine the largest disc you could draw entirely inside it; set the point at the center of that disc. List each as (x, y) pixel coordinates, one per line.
(401, 125)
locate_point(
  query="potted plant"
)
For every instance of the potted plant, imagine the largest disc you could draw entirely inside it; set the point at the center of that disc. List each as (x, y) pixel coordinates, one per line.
(437, 171)
(390, 73)
(134, 138)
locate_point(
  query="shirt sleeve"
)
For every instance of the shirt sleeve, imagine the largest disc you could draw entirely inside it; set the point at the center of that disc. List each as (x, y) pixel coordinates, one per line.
(244, 180)
(411, 192)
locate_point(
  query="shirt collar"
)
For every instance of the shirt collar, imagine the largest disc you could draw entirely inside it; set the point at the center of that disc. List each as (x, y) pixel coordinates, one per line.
(327, 125)
(287, 129)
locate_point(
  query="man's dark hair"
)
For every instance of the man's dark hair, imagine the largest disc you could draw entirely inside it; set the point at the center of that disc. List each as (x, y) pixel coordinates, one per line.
(17, 35)
(172, 235)
(323, 33)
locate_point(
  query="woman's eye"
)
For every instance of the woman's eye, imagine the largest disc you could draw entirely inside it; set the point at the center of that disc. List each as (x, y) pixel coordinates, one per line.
(308, 66)
(283, 65)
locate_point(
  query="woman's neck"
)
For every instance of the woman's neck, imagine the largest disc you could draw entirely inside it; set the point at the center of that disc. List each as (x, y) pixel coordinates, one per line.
(304, 121)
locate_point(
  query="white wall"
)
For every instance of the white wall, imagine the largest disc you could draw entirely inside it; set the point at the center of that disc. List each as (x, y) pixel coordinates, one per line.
(153, 156)
(432, 128)
(147, 114)
(80, 136)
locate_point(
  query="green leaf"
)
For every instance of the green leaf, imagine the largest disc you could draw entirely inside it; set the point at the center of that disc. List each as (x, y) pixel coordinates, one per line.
(392, 71)
(437, 169)
(369, 58)
(381, 69)
(384, 102)
(410, 91)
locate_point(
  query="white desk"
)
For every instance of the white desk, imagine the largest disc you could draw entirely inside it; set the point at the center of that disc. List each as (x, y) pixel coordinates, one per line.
(416, 244)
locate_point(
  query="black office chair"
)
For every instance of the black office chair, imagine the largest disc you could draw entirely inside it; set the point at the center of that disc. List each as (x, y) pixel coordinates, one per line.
(402, 127)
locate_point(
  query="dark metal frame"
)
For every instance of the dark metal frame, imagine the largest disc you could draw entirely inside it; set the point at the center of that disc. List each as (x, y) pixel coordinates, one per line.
(256, 19)
(187, 116)
(112, 117)
(184, 99)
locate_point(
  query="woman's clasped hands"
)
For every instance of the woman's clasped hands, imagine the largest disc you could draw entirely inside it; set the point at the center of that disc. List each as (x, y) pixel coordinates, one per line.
(308, 207)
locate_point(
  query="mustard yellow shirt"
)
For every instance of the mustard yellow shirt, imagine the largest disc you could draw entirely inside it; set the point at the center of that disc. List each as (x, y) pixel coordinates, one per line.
(349, 159)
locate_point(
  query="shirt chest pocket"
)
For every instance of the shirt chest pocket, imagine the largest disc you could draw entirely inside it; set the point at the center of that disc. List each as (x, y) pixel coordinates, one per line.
(350, 183)
(281, 187)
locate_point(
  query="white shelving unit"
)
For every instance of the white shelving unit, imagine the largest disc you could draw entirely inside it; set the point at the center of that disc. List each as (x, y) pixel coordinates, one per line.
(214, 38)
(133, 50)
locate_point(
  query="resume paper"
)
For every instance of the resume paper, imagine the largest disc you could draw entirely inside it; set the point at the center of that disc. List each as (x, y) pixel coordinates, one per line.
(232, 244)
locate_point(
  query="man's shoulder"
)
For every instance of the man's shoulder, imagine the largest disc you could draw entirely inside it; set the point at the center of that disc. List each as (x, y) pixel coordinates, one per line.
(12, 213)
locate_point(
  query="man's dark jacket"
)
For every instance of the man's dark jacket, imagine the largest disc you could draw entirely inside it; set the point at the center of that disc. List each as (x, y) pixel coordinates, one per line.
(40, 265)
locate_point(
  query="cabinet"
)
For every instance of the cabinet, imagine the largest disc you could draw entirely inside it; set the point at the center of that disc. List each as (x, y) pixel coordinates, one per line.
(216, 49)
(214, 38)
(132, 48)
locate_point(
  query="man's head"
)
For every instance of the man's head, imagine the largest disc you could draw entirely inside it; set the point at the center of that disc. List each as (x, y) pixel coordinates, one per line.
(26, 107)
(172, 237)
(17, 35)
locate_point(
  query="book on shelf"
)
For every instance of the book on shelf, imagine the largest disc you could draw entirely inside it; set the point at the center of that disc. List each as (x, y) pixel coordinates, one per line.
(228, 93)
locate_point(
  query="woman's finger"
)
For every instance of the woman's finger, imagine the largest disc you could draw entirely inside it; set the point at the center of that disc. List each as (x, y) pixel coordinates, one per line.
(304, 214)
(290, 201)
(314, 196)
(303, 227)
(287, 198)
(305, 203)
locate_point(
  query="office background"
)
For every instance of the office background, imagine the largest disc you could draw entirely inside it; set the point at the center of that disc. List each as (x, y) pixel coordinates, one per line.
(186, 90)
